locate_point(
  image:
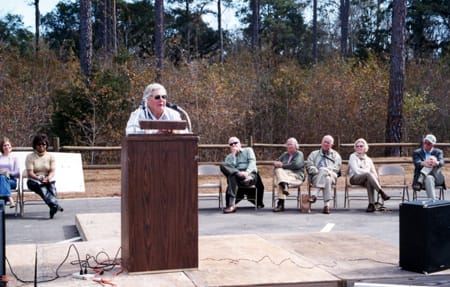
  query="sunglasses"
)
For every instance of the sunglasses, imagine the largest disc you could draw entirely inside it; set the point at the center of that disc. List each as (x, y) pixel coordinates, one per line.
(359, 146)
(157, 97)
(232, 144)
(41, 144)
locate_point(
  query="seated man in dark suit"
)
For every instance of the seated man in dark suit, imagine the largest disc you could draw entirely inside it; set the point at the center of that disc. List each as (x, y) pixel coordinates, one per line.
(428, 162)
(240, 170)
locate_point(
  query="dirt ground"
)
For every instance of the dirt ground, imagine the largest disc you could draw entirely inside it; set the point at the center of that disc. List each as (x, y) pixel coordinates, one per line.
(106, 182)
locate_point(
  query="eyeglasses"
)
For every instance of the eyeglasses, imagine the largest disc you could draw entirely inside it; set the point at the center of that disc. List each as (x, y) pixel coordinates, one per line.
(232, 144)
(157, 97)
(41, 144)
(359, 146)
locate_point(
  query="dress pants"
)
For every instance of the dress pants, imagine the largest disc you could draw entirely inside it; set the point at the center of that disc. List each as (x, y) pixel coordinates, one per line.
(368, 180)
(323, 180)
(286, 176)
(432, 177)
(234, 181)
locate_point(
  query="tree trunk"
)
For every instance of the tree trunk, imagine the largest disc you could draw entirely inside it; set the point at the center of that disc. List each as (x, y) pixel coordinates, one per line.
(344, 15)
(188, 31)
(219, 29)
(159, 36)
(86, 37)
(255, 24)
(107, 32)
(102, 19)
(397, 78)
(37, 22)
(314, 49)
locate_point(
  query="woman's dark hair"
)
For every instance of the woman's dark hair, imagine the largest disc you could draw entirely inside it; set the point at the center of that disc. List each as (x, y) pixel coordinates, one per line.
(40, 139)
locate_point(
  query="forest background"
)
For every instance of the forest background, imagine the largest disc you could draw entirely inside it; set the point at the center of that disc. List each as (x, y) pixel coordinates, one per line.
(298, 78)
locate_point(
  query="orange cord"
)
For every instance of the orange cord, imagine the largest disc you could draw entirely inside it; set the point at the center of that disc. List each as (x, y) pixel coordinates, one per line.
(104, 281)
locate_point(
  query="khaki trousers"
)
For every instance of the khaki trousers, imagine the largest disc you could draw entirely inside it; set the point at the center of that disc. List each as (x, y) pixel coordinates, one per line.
(287, 176)
(324, 180)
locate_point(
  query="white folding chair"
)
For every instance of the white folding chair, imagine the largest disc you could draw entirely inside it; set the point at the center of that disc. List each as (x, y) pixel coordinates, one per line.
(211, 178)
(17, 192)
(393, 177)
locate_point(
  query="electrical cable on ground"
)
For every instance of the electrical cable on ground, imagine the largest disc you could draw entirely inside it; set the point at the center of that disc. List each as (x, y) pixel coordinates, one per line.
(97, 266)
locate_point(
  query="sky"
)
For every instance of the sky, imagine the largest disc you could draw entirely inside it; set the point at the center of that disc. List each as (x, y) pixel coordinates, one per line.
(22, 7)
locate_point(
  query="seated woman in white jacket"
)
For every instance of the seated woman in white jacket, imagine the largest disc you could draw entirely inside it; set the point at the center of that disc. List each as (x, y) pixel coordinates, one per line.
(362, 171)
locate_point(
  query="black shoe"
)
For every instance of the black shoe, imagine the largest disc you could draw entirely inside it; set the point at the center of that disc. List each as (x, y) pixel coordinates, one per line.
(278, 209)
(370, 208)
(53, 211)
(384, 196)
(312, 199)
(285, 188)
(280, 206)
(326, 210)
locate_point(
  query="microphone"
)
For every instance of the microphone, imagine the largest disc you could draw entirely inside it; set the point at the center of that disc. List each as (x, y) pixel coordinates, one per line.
(179, 109)
(172, 106)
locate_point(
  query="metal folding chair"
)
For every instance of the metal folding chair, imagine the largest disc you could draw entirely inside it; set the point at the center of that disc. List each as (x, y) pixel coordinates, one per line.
(295, 187)
(320, 195)
(393, 177)
(348, 187)
(211, 178)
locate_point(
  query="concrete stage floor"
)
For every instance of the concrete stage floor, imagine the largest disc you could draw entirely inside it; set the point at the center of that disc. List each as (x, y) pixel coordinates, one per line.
(268, 259)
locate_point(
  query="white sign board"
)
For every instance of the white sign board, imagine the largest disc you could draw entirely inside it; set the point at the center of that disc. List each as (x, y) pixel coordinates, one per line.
(69, 174)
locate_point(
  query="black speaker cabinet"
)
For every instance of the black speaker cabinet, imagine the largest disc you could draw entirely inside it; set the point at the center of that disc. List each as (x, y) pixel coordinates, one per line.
(425, 236)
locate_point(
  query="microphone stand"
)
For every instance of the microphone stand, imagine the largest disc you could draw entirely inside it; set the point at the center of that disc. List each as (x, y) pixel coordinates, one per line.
(187, 118)
(178, 108)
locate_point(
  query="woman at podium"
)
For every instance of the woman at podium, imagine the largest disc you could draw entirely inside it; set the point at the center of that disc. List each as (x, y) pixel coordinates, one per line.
(153, 107)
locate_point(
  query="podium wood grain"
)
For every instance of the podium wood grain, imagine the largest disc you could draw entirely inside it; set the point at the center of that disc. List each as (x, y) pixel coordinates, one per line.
(159, 202)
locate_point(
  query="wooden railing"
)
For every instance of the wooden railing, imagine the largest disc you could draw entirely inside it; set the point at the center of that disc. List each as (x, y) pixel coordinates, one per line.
(260, 148)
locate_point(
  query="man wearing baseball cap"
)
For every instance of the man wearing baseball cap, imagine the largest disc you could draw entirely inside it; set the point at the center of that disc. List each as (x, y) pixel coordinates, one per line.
(428, 162)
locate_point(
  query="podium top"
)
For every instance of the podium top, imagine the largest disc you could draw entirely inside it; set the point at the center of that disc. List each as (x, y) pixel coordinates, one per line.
(162, 125)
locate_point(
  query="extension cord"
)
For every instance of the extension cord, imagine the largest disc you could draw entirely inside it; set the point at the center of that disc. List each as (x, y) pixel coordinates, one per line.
(77, 275)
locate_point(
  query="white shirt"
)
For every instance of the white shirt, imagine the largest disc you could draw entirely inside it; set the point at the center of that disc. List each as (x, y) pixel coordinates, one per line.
(141, 114)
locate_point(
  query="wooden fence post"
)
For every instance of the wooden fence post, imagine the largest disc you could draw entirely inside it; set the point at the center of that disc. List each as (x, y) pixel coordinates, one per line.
(56, 144)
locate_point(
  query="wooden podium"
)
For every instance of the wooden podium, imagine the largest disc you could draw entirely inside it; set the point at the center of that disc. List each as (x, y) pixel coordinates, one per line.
(159, 202)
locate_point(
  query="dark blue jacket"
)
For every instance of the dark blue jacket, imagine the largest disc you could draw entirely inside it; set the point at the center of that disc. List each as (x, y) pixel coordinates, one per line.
(419, 156)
